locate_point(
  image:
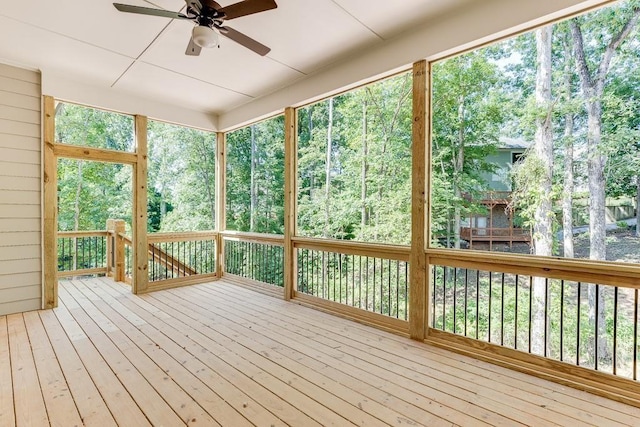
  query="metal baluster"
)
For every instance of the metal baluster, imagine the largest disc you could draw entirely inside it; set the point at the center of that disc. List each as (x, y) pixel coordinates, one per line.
(615, 330)
(455, 289)
(597, 340)
(466, 293)
(578, 332)
(562, 320)
(546, 314)
(530, 308)
(502, 310)
(515, 328)
(490, 295)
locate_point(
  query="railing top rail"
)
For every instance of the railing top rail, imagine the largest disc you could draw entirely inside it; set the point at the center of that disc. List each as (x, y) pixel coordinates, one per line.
(83, 233)
(181, 236)
(376, 250)
(579, 270)
(255, 237)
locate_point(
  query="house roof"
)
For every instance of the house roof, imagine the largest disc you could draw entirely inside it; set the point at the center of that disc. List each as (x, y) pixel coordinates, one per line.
(90, 53)
(514, 143)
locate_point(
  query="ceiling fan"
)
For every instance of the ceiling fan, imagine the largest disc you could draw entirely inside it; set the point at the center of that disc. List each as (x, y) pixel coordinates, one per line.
(209, 17)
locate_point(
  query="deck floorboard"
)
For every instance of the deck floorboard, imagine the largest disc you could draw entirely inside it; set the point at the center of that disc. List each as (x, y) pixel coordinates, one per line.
(220, 354)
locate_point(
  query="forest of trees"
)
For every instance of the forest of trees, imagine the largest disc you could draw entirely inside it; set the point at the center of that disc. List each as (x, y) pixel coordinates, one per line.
(571, 90)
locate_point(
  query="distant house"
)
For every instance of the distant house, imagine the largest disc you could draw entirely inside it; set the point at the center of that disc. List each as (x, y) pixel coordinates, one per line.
(497, 225)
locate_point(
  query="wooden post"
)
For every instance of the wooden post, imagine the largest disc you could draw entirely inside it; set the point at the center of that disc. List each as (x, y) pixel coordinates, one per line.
(290, 200)
(139, 225)
(221, 199)
(50, 200)
(110, 247)
(418, 289)
(119, 228)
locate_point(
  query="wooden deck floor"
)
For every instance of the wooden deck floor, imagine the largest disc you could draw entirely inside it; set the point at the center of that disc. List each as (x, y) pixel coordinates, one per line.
(219, 354)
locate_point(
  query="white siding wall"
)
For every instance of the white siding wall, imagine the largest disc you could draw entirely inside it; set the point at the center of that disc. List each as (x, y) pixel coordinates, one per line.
(20, 213)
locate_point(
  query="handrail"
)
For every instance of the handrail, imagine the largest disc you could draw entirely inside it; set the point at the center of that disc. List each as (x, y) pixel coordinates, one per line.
(378, 250)
(589, 271)
(277, 239)
(180, 236)
(83, 233)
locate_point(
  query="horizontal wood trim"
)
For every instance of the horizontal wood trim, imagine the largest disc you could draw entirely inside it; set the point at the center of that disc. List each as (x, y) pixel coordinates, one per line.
(17, 239)
(241, 236)
(95, 154)
(20, 101)
(20, 156)
(596, 382)
(587, 271)
(380, 321)
(19, 224)
(19, 211)
(20, 266)
(13, 169)
(17, 73)
(180, 281)
(19, 183)
(20, 306)
(265, 288)
(393, 252)
(19, 142)
(19, 86)
(181, 237)
(21, 293)
(16, 197)
(83, 272)
(10, 253)
(20, 279)
(87, 233)
(19, 128)
(8, 112)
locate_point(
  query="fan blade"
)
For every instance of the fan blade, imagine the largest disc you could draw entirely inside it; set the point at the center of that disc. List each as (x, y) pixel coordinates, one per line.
(149, 11)
(192, 48)
(245, 40)
(212, 4)
(247, 7)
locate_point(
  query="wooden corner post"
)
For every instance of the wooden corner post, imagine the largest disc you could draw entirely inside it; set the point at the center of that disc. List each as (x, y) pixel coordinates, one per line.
(50, 211)
(418, 267)
(290, 199)
(221, 199)
(139, 226)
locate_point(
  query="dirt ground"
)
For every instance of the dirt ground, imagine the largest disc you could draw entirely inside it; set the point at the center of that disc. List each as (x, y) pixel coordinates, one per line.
(622, 246)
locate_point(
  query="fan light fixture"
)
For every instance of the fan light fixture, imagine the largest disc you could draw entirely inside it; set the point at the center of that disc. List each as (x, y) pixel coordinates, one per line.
(204, 36)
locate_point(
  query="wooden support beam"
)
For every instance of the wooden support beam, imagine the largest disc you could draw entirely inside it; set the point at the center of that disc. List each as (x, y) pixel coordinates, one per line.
(50, 200)
(221, 199)
(290, 199)
(94, 154)
(119, 251)
(418, 289)
(139, 226)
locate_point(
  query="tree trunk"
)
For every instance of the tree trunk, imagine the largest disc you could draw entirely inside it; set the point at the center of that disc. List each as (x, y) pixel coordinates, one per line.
(458, 167)
(542, 228)
(593, 84)
(568, 181)
(76, 213)
(327, 184)
(637, 206)
(253, 189)
(363, 174)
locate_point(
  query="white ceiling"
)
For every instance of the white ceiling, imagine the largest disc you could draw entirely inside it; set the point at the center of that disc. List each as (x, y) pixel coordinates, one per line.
(91, 42)
(88, 43)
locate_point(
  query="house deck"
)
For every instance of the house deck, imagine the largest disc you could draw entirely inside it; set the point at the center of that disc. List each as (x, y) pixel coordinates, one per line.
(220, 354)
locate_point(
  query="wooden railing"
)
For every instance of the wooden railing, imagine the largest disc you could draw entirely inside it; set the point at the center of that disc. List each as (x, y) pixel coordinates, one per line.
(254, 256)
(355, 278)
(82, 253)
(573, 320)
(181, 258)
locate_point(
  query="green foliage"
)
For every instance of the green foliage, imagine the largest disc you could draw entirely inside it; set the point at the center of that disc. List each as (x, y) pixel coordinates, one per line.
(370, 171)
(267, 183)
